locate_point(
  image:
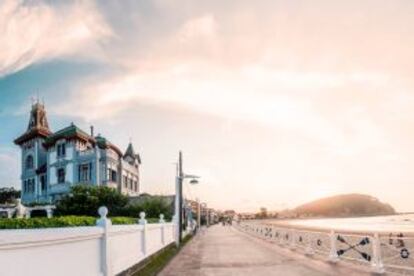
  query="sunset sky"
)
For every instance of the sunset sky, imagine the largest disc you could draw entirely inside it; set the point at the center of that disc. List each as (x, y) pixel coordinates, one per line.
(274, 103)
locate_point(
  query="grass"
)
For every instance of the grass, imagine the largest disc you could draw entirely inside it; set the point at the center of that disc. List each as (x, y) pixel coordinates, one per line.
(156, 263)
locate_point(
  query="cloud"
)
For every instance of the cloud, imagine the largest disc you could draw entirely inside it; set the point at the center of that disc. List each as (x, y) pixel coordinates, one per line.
(35, 31)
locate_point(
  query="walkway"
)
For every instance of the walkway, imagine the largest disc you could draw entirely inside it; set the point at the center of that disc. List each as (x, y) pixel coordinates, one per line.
(226, 251)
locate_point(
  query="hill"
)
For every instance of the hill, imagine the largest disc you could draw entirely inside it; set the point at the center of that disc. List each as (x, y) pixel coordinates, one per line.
(345, 206)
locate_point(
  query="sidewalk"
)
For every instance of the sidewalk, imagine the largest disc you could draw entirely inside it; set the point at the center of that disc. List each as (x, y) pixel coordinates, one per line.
(226, 251)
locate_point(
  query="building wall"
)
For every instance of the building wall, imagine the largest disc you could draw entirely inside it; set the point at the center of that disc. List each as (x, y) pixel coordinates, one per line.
(76, 154)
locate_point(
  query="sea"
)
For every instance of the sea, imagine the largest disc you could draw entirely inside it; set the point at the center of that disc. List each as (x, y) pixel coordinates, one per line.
(393, 223)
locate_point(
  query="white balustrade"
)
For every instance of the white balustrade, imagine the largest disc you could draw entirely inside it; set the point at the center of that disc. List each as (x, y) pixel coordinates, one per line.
(104, 249)
(384, 252)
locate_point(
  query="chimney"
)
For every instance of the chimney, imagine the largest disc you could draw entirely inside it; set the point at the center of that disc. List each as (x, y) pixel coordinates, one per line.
(92, 131)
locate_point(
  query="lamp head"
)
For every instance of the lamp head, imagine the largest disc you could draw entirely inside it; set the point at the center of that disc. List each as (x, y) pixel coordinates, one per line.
(193, 181)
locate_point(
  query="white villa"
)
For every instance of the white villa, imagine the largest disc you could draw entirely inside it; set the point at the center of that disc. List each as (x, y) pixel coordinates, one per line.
(52, 162)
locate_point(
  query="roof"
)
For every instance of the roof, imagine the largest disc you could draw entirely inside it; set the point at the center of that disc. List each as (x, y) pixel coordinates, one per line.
(34, 132)
(102, 142)
(130, 151)
(38, 125)
(69, 132)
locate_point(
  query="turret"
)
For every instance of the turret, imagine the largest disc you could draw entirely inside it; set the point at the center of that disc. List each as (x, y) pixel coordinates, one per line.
(34, 154)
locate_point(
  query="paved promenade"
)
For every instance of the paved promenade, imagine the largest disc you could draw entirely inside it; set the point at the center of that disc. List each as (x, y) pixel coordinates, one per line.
(226, 251)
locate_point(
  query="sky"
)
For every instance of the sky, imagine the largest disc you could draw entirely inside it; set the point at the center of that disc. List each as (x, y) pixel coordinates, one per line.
(273, 103)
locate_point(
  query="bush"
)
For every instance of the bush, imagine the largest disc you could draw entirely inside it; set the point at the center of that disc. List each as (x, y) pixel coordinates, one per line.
(152, 206)
(85, 200)
(64, 221)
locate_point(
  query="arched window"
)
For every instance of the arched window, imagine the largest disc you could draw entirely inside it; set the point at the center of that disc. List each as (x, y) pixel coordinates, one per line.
(29, 162)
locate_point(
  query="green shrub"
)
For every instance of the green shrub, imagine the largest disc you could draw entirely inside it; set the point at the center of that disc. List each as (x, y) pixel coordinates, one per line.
(84, 200)
(152, 206)
(124, 220)
(64, 221)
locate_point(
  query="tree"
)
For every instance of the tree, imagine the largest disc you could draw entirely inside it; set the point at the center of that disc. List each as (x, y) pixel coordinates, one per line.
(85, 200)
(263, 212)
(8, 195)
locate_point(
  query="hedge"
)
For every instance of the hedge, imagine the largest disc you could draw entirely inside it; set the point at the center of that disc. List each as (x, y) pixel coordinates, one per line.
(63, 221)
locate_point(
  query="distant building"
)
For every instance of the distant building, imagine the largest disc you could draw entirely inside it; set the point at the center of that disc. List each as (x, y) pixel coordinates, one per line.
(53, 162)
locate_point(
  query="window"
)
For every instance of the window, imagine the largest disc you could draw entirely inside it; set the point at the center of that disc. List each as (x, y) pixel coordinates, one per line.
(126, 182)
(113, 176)
(29, 186)
(29, 162)
(61, 175)
(43, 182)
(131, 182)
(85, 172)
(136, 186)
(61, 150)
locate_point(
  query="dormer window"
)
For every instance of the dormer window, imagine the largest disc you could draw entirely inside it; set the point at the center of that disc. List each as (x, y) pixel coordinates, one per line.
(29, 162)
(61, 150)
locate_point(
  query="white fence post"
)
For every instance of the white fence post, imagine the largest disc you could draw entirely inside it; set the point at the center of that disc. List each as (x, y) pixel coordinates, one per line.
(377, 265)
(143, 222)
(333, 254)
(162, 222)
(105, 223)
(49, 212)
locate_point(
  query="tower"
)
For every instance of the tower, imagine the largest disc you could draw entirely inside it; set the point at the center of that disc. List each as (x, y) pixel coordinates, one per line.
(34, 155)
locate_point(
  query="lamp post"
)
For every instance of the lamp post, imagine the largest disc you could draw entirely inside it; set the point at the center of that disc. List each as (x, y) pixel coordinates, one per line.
(179, 195)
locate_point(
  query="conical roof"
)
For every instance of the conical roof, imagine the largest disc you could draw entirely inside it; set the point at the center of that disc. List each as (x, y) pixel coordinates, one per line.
(38, 125)
(130, 151)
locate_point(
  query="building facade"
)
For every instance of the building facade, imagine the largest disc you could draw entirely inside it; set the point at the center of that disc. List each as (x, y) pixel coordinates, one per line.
(52, 162)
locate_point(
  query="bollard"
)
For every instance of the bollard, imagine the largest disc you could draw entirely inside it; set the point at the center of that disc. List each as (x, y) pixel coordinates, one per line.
(377, 265)
(105, 223)
(333, 254)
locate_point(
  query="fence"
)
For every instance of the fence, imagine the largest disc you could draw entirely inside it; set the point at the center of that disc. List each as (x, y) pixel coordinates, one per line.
(383, 252)
(104, 249)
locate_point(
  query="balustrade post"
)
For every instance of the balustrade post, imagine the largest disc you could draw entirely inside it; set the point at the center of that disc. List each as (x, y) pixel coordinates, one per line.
(49, 212)
(28, 213)
(333, 254)
(377, 265)
(162, 222)
(105, 223)
(281, 237)
(142, 221)
(292, 244)
(309, 249)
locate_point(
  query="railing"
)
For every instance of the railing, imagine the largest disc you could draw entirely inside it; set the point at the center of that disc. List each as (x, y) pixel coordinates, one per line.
(101, 250)
(383, 252)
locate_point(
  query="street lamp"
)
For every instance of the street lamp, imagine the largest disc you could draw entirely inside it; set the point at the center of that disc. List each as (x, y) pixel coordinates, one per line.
(179, 195)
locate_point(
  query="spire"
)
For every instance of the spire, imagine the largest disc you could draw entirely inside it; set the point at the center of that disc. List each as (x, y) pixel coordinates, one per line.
(130, 151)
(38, 125)
(38, 119)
